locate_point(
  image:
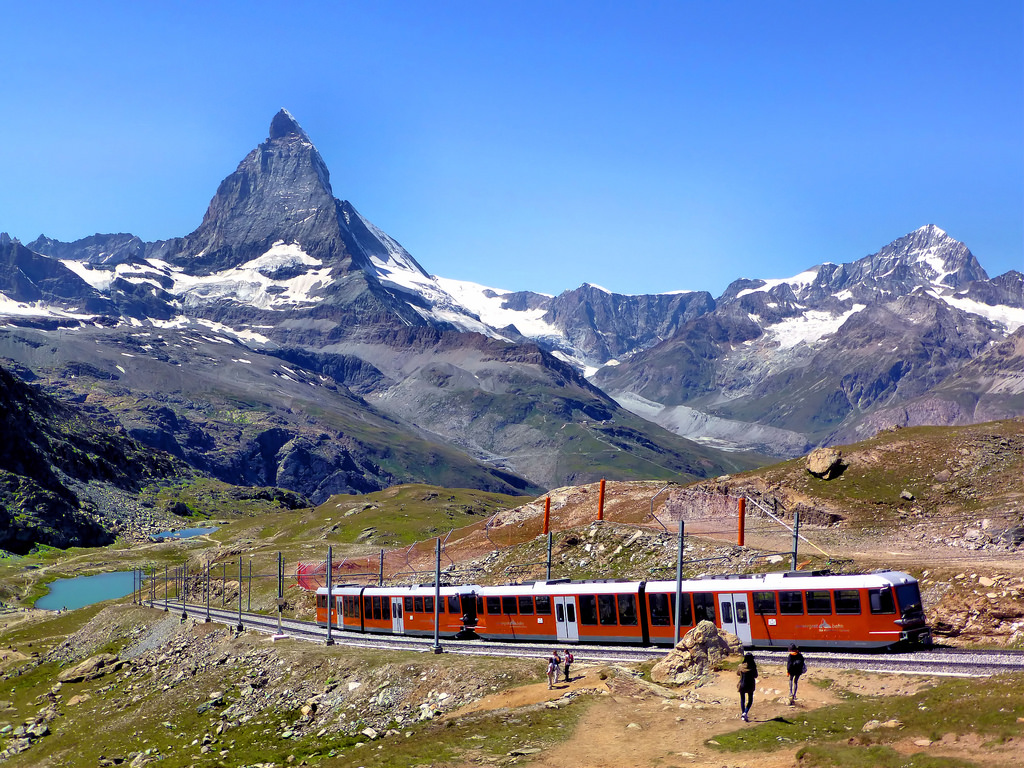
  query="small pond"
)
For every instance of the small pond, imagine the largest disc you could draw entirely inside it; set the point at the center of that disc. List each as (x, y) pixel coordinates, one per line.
(86, 590)
(184, 533)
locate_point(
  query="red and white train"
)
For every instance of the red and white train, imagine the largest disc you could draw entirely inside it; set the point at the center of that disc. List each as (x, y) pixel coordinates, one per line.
(879, 610)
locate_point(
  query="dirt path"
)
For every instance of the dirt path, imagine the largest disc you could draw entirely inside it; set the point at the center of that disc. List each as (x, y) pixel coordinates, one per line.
(631, 724)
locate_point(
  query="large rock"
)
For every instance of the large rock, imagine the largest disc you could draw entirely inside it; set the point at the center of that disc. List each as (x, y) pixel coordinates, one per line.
(825, 463)
(91, 668)
(698, 653)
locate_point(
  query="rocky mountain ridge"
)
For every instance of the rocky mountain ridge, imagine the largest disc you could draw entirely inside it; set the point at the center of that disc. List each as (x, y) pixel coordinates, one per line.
(281, 269)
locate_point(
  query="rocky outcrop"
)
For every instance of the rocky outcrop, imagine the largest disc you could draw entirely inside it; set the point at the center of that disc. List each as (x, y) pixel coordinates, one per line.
(97, 666)
(699, 652)
(825, 463)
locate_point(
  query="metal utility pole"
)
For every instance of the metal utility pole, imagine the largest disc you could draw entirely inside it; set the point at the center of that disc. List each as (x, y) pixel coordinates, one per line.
(796, 534)
(239, 627)
(165, 589)
(248, 599)
(207, 590)
(549, 556)
(330, 586)
(679, 585)
(380, 579)
(437, 599)
(224, 583)
(280, 590)
(184, 613)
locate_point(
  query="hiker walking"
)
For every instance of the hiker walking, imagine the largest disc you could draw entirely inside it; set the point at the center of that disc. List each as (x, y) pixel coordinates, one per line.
(795, 666)
(568, 661)
(552, 670)
(748, 677)
(558, 664)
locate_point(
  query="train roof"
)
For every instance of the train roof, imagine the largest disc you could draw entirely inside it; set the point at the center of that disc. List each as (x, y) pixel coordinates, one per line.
(786, 580)
(781, 580)
(398, 591)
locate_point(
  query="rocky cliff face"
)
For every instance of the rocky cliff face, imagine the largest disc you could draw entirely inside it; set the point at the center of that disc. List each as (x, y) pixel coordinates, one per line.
(50, 452)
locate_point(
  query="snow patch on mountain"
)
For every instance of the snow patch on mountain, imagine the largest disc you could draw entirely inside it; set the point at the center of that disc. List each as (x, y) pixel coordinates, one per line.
(796, 282)
(12, 308)
(1010, 318)
(488, 304)
(809, 327)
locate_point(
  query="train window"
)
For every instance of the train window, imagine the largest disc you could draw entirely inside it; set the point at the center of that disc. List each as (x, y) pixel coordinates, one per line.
(376, 606)
(525, 605)
(385, 608)
(819, 601)
(791, 603)
(741, 612)
(659, 610)
(588, 609)
(627, 610)
(494, 605)
(543, 605)
(727, 613)
(453, 605)
(847, 601)
(479, 605)
(367, 607)
(428, 604)
(418, 604)
(508, 605)
(703, 607)
(570, 613)
(321, 601)
(559, 615)
(398, 609)
(764, 603)
(408, 605)
(686, 613)
(606, 609)
(881, 600)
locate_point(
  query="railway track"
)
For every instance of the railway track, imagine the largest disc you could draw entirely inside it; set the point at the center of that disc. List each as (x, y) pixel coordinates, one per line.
(940, 661)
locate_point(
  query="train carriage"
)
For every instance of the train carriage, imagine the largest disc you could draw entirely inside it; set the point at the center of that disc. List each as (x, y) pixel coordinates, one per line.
(398, 610)
(813, 609)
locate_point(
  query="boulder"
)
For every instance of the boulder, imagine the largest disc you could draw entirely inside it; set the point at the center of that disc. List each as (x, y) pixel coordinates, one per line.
(91, 668)
(698, 653)
(825, 463)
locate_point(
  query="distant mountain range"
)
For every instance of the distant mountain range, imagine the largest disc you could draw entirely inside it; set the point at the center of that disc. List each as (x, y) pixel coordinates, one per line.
(288, 341)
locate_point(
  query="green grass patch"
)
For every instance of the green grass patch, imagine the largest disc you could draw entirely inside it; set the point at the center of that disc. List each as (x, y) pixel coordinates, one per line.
(951, 706)
(875, 756)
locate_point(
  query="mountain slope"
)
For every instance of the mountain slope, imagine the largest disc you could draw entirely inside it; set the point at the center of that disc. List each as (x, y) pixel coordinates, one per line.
(50, 455)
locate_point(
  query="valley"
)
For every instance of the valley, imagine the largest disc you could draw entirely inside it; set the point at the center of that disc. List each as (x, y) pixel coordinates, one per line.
(198, 694)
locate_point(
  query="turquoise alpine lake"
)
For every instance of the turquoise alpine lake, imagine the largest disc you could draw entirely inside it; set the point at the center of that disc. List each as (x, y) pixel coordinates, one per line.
(86, 590)
(184, 533)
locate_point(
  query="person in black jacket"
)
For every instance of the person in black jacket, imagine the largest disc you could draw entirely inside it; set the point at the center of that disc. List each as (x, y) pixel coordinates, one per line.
(747, 671)
(795, 666)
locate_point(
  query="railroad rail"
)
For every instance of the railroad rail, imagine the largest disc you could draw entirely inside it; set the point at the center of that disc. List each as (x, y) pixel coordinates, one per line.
(940, 661)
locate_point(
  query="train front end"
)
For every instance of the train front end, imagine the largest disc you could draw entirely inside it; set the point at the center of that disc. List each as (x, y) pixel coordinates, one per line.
(914, 629)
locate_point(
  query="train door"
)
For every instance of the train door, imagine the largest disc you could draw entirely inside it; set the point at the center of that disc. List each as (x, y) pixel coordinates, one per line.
(734, 616)
(397, 619)
(565, 619)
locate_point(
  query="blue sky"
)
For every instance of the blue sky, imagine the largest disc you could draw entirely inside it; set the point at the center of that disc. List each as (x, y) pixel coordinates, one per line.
(643, 147)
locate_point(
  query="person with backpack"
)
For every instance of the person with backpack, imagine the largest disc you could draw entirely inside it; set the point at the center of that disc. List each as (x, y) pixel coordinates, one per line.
(554, 665)
(568, 660)
(795, 666)
(747, 671)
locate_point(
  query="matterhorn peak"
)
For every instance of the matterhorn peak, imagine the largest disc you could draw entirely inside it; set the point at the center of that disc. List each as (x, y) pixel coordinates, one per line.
(284, 124)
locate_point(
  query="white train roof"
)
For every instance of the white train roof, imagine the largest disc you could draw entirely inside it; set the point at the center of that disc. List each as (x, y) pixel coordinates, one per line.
(789, 580)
